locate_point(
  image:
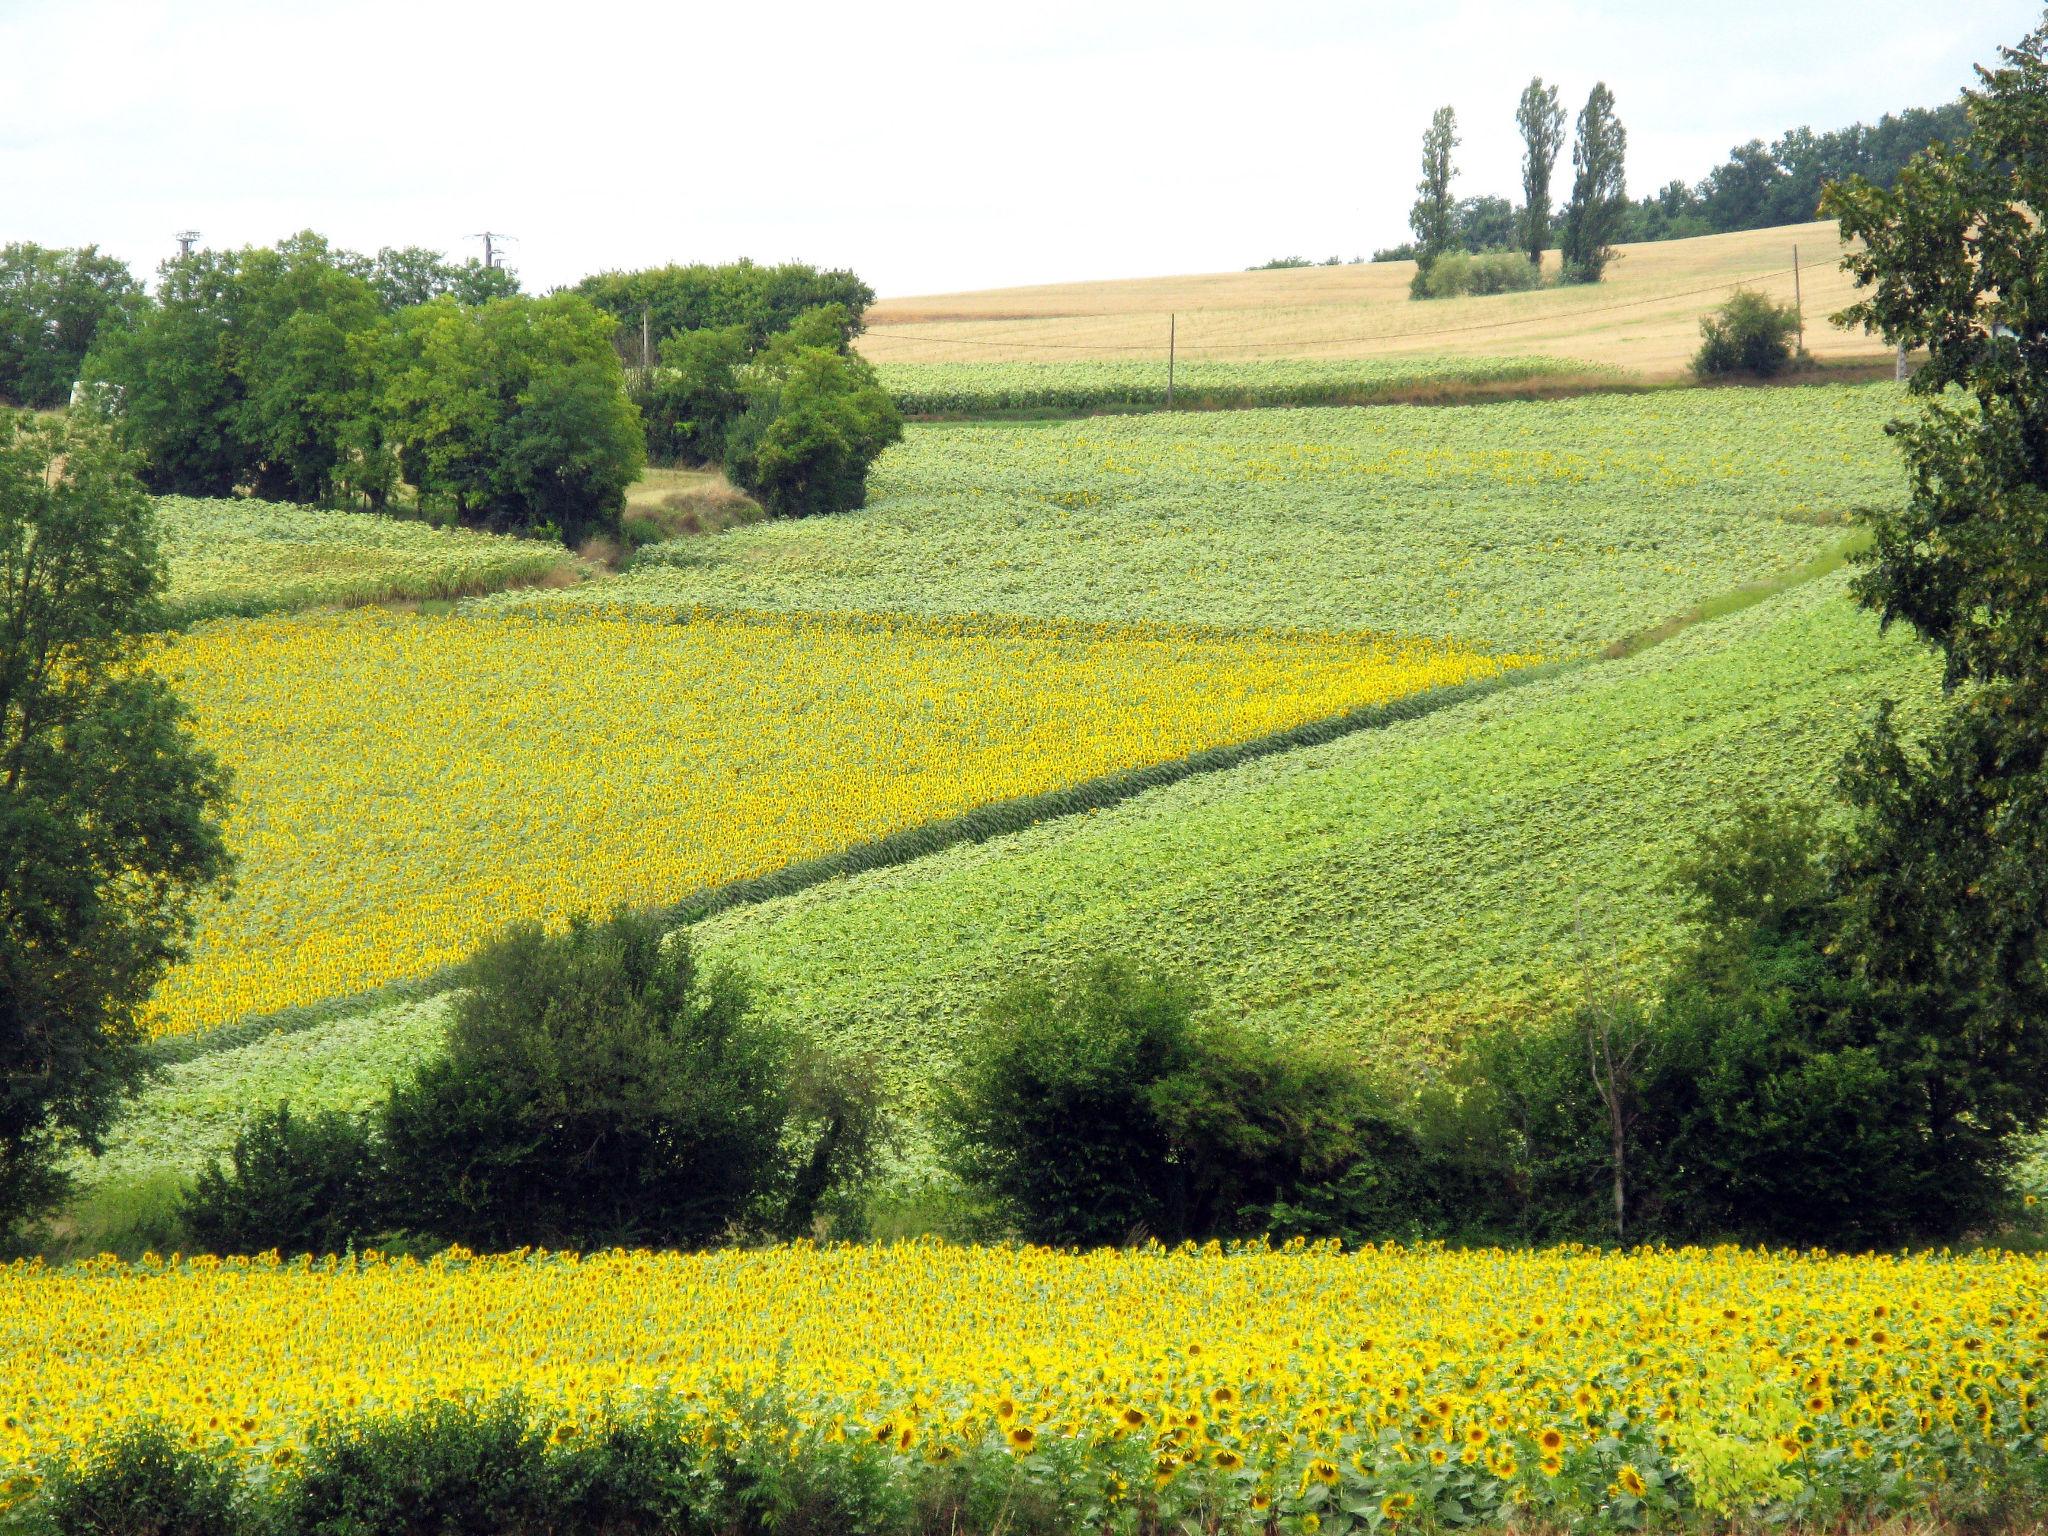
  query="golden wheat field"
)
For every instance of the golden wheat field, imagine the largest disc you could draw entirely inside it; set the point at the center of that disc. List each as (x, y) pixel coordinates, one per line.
(1644, 317)
(1483, 1381)
(406, 786)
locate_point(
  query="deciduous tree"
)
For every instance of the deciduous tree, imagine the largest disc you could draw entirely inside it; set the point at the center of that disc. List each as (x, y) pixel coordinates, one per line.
(1541, 119)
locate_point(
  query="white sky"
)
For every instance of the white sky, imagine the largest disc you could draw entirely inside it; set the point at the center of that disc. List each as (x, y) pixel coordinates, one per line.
(931, 145)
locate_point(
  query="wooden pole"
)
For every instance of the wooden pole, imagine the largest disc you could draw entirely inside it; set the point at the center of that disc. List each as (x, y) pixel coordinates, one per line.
(1798, 300)
(644, 310)
(1172, 328)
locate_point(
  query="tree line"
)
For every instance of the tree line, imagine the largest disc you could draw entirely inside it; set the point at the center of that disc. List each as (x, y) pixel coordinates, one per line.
(1759, 186)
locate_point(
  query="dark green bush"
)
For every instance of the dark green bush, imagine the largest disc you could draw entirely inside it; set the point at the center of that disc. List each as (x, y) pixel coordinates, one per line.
(141, 1481)
(298, 1184)
(1746, 335)
(1098, 1109)
(448, 1469)
(597, 1088)
(694, 395)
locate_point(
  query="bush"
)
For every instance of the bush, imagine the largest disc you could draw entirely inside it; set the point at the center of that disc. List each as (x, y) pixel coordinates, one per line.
(817, 419)
(1746, 335)
(597, 1089)
(449, 1468)
(141, 1481)
(1097, 1110)
(1455, 274)
(695, 394)
(295, 1184)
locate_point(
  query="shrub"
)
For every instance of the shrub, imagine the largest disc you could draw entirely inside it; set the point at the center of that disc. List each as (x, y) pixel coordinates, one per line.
(695, 394)
(1455, 274)
(308, 1184)
(1098, 1109)
(817, 419)
(141, 1481)
(1746, 335)
(597, 1089)
(450, 1468)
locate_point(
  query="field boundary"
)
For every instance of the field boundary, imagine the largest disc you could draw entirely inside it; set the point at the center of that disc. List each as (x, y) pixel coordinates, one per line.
(980, 825)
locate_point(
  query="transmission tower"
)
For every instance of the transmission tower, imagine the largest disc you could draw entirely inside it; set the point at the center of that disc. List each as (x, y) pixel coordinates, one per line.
(489, 237)
(186, 239)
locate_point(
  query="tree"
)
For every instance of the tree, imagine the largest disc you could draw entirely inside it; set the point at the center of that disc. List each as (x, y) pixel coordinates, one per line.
(1541, 119)
(53, 304)
(598, 1087)
(410, 275)
(763, 299)
(1599, 189)
(1747, 334)
(1947, 876)
(695, 394)
(1434, 216)
(513, 415)
(109, 813)
(1486, 224)
(816, 420)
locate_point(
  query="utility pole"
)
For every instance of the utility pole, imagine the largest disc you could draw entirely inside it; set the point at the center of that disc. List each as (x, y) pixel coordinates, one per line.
(488, 236)
(1172, 326)
(1798, 302)
(645, 313)
(1899, 367)
(186, 238)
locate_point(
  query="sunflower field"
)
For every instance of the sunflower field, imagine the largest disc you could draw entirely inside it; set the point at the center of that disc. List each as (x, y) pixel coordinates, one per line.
(407, 785)
(1298, 1389)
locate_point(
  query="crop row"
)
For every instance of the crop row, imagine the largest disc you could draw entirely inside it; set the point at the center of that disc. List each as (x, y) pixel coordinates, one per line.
(231, 557)
(941, 389)
(407, 785)
(1352, 1390)
(1547, 526)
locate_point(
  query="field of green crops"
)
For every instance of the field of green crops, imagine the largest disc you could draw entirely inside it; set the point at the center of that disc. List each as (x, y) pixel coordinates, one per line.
(1388, 889)
(1557, 526)
(251, 557)
(942, 389)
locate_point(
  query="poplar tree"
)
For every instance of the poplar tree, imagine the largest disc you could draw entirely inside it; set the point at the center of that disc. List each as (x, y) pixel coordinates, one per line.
(1599, 189)
(1541, 120)
(1434, 218)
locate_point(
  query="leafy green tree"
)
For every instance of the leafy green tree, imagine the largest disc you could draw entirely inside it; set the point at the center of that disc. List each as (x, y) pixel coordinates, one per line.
(705, 297)
(1747, 334)
(109, 813)
(816, 420)
(174, 378)
(1947, 878)
(53, 304)
(306, 358)
(512, 415)
(410, 275)
(1599, 189)
(1486, 224)
(1434, 216)
(596, 1088)
(1541, 119)
(696, 393)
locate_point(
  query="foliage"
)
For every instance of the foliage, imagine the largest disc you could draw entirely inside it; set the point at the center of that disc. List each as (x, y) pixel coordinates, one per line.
(108, 808)
(53, 304)
(409, 276)
(695, 394)
(1434, 216)
(141, 1480)
(1541, 118)
(1747, 334)
(815, 421)
(814, 1389)
(1592, 219)
(297, 1184)
(764, 300)
(409, 835)
(1096, 1108)
(938, 389)
(595, 1089)
(1459, 273)
(1945, 883)
(1556, 526)
(512, 415)
(244, 558)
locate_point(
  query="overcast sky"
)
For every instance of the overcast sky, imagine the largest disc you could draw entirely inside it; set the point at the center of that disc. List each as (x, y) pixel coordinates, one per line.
(930, 146)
